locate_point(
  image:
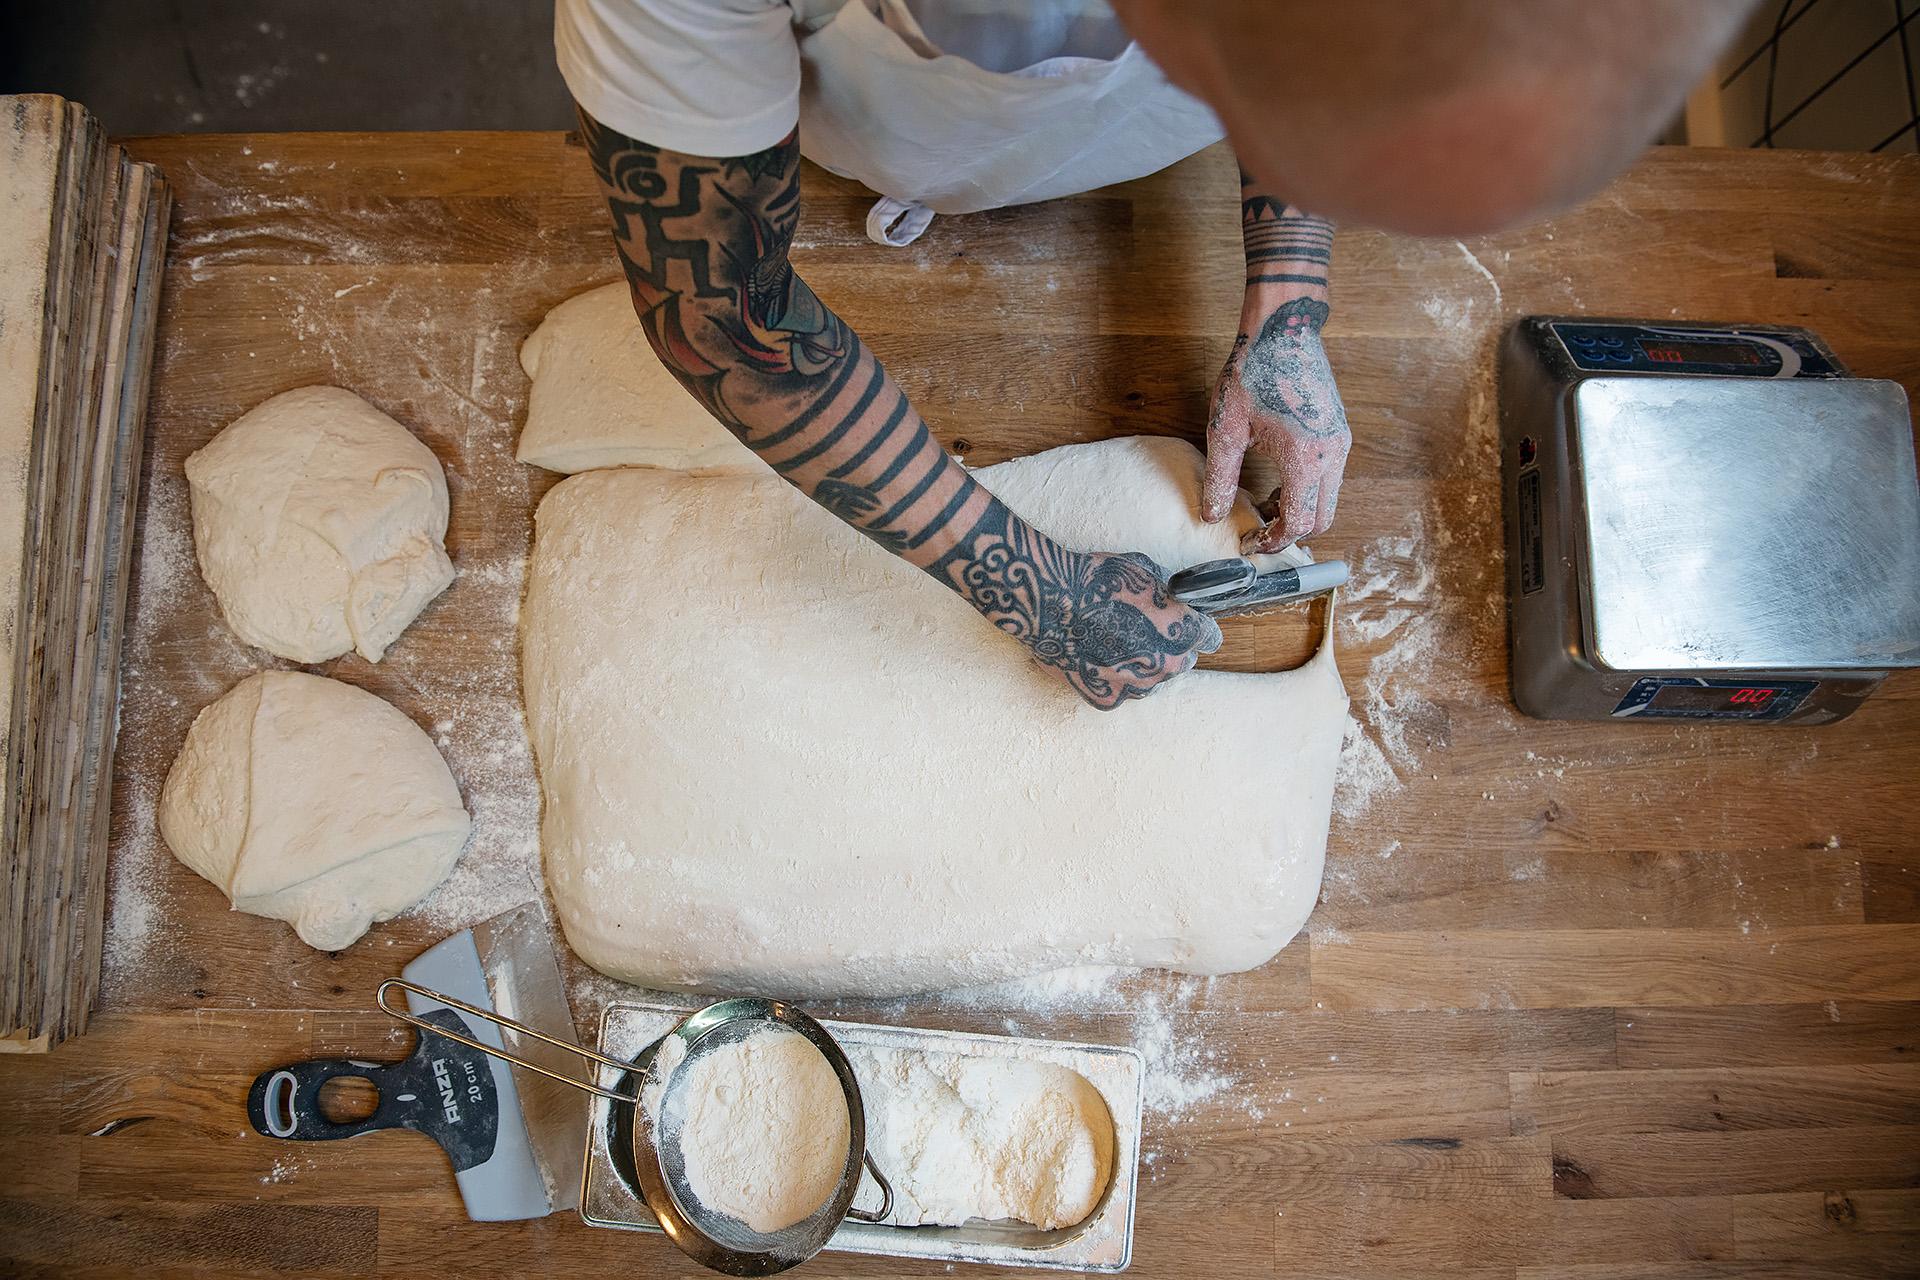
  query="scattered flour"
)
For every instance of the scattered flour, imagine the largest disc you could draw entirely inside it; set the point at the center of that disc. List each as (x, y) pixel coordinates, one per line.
(1390, 598)
(1448, 312)
(1363, 774)
(284, 1167)
(1182, 1068)
(1059, 990)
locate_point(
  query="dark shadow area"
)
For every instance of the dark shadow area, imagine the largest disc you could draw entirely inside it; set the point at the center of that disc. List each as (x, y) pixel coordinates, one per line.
(234, 66)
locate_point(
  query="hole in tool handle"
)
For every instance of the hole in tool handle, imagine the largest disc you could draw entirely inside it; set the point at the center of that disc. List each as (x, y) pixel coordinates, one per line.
(281, 1122)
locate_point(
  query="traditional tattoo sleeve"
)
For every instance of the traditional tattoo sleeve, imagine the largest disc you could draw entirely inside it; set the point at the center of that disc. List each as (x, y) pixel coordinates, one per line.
(705, 246)
(1285, 246)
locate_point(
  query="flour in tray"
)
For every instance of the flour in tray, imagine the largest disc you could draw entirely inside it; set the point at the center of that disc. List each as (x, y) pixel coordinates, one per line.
(965, 1136)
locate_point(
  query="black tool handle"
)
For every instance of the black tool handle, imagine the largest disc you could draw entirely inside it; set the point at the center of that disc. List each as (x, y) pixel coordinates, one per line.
(441, 1089)
(285, 1102)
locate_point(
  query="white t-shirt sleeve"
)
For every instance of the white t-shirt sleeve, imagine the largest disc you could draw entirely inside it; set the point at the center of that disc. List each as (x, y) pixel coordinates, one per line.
(705, 77)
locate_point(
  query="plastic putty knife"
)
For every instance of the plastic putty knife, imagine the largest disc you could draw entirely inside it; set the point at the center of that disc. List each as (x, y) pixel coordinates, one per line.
(516, 1140)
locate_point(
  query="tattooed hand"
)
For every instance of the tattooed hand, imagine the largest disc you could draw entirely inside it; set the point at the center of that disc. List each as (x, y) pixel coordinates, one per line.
(1277, 397)
(1105, 622)
(1276, 394)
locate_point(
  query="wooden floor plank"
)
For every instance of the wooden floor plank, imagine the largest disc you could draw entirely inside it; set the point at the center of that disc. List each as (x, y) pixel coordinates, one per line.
(1317, 1171)
(1363, 1235)
(1578, 1104)
(1606, 1166)
(1834, 1031)
(1890, 886)
(165, 1162)
(1840, 1269)
(1574, 968)
(1554, 875)
(32, 1087)
(139, 1235)
(44, 1167)
(1348, 1104)
(1654, 1229)
(1816, 1226)
(219, 1051)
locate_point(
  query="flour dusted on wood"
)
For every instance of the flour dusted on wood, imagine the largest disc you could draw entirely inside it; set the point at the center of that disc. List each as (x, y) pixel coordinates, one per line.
(762, 1123)
(963, 1137)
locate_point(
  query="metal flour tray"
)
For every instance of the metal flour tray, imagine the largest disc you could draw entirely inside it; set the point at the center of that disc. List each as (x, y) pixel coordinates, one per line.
(1104, 1242)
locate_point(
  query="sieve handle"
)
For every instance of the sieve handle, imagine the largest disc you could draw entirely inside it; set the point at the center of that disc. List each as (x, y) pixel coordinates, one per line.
(488, 1015)
(886, 1194)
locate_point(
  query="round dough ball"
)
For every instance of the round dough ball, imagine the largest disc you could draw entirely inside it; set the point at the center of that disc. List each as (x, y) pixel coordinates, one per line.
(321, 525)
(311, 801)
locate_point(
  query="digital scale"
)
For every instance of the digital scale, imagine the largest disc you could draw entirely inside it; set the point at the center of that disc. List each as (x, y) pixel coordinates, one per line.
(1703, 522)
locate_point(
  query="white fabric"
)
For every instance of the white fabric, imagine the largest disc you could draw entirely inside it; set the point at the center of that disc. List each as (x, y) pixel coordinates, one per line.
(895, 222)
(776, 759)
(884, 104)
(706, 77)
(953, 107)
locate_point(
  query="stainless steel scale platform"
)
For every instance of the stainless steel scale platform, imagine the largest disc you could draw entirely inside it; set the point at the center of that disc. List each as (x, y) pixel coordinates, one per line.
(1703, 522)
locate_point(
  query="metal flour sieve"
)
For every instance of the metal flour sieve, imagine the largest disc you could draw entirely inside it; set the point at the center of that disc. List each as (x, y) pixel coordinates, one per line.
(709, 1237)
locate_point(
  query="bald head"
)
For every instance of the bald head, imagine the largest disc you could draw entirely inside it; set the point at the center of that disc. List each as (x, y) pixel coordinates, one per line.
(1436, 116)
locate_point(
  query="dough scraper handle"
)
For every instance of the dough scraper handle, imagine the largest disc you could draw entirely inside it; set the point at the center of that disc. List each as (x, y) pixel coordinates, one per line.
(1224, 588)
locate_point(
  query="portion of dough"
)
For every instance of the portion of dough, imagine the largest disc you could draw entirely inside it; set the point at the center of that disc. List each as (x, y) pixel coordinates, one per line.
(311, 801)
(320, 524)
(601, 397)
(777, 759)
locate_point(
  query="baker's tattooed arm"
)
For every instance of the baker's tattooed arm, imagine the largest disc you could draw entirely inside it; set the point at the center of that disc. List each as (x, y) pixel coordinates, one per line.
(705, 246)
(1277, 395)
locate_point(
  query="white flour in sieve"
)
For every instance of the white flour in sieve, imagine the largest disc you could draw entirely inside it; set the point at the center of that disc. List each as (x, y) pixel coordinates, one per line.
(763, 1125)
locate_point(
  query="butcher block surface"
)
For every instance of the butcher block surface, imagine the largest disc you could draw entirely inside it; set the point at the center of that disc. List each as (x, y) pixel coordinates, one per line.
(1579, 999)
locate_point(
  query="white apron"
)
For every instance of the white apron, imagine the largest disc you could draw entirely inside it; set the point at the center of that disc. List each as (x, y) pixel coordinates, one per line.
(933, 129)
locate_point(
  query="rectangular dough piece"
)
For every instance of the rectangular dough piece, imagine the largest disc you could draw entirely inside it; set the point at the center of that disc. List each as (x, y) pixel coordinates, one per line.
(601, 397)
(778, 760)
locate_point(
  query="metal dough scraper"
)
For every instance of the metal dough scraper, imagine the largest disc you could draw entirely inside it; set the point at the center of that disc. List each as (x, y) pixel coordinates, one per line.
(515, 1138)
(1226, 588)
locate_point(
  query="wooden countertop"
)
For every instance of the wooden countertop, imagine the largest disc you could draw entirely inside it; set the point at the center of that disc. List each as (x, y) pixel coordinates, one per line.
(1579, 999)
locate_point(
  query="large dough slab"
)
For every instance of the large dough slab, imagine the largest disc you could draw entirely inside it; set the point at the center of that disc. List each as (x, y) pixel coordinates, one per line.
(778, 760)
